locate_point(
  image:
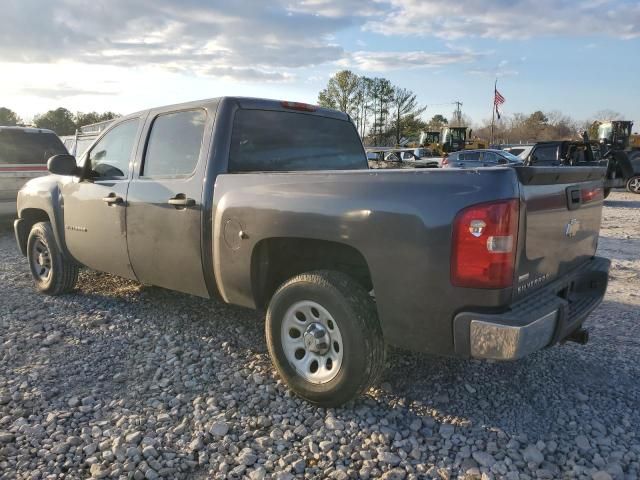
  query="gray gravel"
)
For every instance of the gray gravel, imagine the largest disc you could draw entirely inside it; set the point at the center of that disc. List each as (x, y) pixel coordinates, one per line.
(121, 380)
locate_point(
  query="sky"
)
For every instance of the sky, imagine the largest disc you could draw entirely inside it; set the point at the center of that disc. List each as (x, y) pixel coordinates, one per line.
(579, 57)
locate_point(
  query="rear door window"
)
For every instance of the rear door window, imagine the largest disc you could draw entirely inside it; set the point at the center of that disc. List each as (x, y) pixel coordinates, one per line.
(174, 144)
(265, 140)
(489, 158)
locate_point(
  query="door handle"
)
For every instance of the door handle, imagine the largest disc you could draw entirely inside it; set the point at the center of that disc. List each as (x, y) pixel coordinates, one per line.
(181, 201)
(112, 199)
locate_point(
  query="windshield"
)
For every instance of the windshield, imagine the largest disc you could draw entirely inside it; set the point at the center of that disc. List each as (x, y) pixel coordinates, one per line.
(265, 140)
(24, 147)
(458, 133)
(605, 131)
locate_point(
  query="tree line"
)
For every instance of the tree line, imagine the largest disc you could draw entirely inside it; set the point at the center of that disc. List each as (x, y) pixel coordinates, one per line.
(60, 120)
(382, 112)
(385, 113)
(540, 126)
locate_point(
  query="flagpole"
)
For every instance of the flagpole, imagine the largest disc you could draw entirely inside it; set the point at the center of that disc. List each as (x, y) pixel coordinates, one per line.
(493, 110)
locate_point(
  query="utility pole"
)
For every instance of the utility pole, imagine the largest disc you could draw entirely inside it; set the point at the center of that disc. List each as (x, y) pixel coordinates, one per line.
(458, 112)
(493, 112)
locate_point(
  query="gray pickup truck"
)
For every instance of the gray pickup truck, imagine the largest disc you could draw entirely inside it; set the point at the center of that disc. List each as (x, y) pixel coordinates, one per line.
(271, 205)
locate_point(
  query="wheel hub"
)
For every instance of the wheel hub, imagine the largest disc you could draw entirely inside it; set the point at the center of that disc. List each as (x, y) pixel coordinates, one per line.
(317, 339)
(40, 260)
(312, 341)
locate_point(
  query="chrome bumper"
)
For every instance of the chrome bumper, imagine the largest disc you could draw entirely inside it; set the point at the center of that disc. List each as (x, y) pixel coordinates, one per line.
(508, 342)
(544, 318)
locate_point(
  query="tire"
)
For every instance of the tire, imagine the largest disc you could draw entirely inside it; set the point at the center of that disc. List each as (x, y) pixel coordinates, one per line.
(51, 272)
(338, 314)
(633, 184)
(606, 192)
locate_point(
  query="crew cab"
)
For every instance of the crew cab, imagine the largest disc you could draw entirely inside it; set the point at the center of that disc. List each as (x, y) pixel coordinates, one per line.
(271, 205)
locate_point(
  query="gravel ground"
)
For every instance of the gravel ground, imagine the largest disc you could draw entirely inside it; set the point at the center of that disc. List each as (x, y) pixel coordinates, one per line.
(121, 380)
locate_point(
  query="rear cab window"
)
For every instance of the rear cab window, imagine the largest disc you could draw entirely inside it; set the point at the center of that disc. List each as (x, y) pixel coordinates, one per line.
(23, 147)
(545, 154)
(271, 140)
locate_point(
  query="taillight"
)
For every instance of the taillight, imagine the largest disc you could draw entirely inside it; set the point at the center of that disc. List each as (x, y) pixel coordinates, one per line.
(445, 161)
(591, 194)
(484, 245)
(302, 107)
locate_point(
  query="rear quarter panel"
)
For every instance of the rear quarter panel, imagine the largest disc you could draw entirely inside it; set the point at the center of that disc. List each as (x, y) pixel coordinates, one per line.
(399, 220)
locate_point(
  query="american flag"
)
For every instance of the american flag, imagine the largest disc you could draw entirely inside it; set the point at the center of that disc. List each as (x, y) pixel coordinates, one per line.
(498, 100)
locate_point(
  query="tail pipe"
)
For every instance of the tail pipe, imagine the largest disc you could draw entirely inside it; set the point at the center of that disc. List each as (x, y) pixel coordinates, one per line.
(580, 335)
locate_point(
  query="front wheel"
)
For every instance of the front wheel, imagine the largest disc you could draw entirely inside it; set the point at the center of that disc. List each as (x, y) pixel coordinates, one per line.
(52, 273)
(324, 337)
(633, 184)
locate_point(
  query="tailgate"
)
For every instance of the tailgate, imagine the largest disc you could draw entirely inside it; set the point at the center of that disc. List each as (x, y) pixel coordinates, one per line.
(560, 215)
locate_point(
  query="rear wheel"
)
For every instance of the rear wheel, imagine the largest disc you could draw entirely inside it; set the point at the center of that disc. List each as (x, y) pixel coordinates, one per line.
(633, 184)
(51, 272)
(324, 337)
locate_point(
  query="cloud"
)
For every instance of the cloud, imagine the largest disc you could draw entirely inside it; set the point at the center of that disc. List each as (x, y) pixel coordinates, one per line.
(268, 41)
(341, 8)
(61, 90)
(383, 61)
(244, 39)
(501, 70)
(492, 72)
(510, 19)
(249, 74)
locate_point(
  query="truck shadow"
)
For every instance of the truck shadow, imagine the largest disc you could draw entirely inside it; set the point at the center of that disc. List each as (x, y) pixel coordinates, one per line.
(622, 203)
(619, 249)
(537, 394)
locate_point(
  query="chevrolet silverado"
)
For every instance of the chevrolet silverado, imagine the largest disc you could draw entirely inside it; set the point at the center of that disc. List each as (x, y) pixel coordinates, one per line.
(271, 205)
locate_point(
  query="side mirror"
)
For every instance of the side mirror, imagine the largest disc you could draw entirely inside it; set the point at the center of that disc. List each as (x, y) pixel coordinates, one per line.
(63, 164)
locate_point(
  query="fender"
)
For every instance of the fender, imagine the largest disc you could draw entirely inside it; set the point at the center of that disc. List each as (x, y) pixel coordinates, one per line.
(44, 194)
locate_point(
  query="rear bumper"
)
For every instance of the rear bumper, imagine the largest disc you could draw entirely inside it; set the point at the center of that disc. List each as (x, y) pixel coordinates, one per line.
(542, 319)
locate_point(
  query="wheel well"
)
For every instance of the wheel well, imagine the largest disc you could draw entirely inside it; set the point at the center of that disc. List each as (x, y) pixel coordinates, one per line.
(30, 217)
(276, 260)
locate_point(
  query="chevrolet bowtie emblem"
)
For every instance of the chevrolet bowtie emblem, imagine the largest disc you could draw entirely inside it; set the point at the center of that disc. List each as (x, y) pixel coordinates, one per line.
(572, 228)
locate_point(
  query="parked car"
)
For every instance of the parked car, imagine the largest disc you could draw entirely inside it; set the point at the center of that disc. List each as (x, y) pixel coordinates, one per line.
(411, 158)
(271, 205)
(403, 157)
(23, 155)
(480, 158)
